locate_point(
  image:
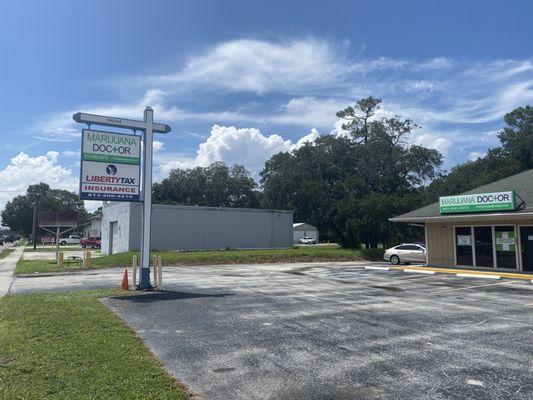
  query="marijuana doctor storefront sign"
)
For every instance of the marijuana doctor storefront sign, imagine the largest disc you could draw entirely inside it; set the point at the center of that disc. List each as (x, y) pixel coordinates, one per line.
(482, 202)
(110, 166)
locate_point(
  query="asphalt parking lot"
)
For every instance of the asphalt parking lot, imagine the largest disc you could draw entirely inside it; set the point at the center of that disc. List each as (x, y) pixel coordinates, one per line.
(338, 332)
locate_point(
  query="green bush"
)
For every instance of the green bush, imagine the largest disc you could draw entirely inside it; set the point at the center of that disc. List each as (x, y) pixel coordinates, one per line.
(372, 254)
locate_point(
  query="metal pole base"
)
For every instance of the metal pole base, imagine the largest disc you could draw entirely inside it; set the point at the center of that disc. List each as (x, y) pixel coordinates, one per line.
(144, 281)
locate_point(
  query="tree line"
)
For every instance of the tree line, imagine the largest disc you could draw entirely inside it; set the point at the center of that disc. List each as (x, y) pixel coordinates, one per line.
(347, 185)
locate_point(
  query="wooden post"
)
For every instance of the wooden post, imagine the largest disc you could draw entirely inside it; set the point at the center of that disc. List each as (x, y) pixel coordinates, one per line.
(134, 273)
(160, 273)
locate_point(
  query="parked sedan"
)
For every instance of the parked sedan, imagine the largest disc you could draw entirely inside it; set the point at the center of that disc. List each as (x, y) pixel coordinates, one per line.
(406, 253)
(307, 240)
(93, 242)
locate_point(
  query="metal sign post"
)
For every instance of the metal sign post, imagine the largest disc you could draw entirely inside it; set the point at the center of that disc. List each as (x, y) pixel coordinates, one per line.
(148, 127)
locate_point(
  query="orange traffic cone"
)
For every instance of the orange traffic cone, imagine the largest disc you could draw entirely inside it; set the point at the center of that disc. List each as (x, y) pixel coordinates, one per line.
(125, 284)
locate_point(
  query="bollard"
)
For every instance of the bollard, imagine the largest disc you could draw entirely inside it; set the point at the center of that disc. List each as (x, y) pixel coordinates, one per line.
(134, 273)
(60, 259)
(154, 264)
(160, 273)
(89, 260)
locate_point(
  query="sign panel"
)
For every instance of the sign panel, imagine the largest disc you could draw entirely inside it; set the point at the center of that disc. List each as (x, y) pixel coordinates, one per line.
(464, 240)
(110, 166)
(482, 202)
(505, 241)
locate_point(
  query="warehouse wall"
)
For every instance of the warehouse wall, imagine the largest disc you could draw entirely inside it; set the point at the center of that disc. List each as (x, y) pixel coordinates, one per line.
(199, 228)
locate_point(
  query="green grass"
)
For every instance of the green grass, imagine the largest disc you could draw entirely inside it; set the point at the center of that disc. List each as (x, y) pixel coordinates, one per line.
(29, 249)
(5, 253)
(297, 254)
(70, 346)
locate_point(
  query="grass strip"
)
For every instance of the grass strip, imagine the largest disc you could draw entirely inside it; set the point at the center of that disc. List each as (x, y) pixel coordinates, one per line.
(70, 346)
(5, 253)
(297, 254)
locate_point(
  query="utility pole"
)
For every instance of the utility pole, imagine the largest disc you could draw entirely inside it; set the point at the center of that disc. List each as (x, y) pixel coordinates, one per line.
(34, 226)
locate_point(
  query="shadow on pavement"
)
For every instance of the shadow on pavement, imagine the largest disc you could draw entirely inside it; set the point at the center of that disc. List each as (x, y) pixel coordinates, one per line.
(166, 295)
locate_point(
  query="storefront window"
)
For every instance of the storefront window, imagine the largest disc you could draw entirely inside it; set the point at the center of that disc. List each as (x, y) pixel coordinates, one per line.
(483, 246)
(463, 246)
(505, 247)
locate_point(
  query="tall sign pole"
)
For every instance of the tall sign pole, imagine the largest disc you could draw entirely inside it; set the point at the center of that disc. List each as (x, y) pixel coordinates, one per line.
(144, 281)
(112, 165)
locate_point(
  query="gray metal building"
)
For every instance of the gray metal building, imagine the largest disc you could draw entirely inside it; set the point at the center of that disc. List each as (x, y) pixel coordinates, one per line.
(195, 228)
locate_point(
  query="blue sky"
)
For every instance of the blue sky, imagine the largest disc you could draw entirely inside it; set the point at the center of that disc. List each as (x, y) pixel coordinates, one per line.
(239, 81)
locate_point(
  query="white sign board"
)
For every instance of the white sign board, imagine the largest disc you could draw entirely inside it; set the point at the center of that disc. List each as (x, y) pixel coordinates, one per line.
(110, 166)
(464, 240)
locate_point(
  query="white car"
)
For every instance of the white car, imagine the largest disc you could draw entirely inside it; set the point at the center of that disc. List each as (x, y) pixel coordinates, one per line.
(307, 240)
(72, 239)
(406, 253)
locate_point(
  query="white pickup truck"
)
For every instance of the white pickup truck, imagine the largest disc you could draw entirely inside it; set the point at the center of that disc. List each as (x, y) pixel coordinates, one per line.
(72, 239)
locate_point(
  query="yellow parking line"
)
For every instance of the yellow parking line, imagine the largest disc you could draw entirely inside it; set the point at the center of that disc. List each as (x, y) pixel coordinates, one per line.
(473, 286)
(439, 270)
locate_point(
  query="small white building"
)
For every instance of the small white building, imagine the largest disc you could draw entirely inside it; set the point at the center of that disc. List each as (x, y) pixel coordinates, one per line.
(301, 229)
(93, 227)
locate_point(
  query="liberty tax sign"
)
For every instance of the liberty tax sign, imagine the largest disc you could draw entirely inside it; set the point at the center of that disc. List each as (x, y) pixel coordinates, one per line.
(110, 166)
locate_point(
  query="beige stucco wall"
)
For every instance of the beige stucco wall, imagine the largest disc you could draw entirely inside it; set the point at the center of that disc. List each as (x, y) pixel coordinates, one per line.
(440, 238)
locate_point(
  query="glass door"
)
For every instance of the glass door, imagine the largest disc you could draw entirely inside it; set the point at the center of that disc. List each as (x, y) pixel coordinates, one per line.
(483, 246)
(505, 246)
(463, 246)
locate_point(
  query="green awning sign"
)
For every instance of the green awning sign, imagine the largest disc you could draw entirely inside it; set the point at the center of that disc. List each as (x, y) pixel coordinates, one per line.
(482, 202)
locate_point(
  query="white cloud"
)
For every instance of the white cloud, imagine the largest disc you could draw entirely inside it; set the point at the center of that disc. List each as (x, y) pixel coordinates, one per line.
(432, 141)
(25, 170)
(261, 66)
(474, 155)
(245, 146)
(157, 145)
(309, 111)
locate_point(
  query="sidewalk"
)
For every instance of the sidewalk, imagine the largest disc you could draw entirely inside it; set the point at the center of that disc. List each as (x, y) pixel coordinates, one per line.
(7, 266)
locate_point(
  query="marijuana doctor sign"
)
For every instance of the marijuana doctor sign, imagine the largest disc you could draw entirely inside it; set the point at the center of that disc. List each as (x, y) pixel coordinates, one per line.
(110, 166)
(482, 202)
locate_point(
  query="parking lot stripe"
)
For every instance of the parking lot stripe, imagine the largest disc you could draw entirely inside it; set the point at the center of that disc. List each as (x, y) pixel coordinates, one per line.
(419, 271)
(474, 286)
(378, 268)
(495, 277)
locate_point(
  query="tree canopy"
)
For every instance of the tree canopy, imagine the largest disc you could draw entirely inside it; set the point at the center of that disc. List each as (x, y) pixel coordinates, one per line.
(216, 185)
(350, 186)
(514, 155)
(18, 213)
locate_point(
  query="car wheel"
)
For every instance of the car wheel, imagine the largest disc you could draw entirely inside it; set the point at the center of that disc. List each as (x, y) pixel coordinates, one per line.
(394, 260)
(84, 245)
(63, 243)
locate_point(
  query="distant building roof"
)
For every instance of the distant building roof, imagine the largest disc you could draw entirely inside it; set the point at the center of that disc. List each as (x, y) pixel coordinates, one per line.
(522, 183)
(303, 225)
